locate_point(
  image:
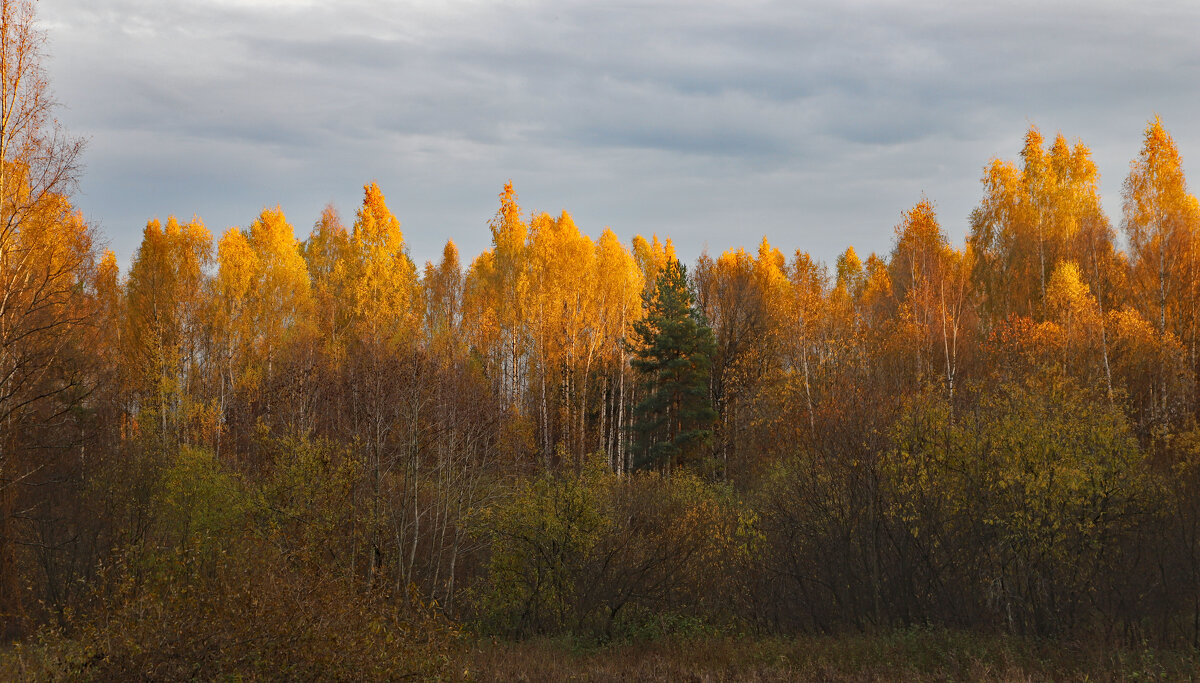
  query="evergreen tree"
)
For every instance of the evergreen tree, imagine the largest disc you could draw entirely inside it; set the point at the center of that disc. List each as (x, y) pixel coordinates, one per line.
(673, 354)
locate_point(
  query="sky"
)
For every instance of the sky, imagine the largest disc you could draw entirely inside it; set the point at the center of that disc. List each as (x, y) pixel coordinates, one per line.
(814, 124)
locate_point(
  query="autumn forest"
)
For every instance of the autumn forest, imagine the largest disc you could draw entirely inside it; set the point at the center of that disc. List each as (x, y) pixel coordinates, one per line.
(283, 451)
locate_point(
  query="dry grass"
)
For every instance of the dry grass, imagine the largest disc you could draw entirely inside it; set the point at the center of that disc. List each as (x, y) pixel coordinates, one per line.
(904, 655)
(927, 655)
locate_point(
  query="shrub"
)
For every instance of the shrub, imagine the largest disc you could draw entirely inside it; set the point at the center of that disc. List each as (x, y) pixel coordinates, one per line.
(590, 553)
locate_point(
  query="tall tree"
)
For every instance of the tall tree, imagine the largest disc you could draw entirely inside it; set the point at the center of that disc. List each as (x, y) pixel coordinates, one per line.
(327, 253)
(560, 305)
(262, 304)
(1031, 217)
(494, 298)
(443, 285)
(164, 321)
(673, 354)
(383, 277)
(47, 264)
(1162, 222)
(619, 288)
(929, 280)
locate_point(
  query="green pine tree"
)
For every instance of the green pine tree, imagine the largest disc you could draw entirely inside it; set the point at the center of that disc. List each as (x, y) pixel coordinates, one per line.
(673, 354)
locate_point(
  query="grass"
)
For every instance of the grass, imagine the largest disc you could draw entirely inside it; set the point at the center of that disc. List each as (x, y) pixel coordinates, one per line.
(910, 654)
(902, 655)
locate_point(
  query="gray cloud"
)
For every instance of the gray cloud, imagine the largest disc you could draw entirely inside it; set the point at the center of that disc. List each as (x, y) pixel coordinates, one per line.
(815, 124)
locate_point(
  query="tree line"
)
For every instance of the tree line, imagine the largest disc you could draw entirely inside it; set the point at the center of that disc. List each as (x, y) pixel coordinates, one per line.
(570, 434)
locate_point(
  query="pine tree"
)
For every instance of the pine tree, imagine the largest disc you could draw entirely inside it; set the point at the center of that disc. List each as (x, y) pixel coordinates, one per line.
(673, 354)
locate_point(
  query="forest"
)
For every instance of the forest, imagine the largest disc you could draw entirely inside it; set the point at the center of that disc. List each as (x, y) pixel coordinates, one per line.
(261, 456)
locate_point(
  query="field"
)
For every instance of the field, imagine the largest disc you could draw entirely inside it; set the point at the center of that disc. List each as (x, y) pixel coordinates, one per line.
(904, 654)
(913, 654)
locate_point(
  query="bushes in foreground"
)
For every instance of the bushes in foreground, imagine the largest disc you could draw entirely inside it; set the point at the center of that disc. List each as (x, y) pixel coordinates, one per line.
(245, 614)
(597, 555)
(1028, 509)
(232, 579)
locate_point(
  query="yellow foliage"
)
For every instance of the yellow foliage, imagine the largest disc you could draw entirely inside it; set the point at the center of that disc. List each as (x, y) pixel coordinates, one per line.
(382, 279)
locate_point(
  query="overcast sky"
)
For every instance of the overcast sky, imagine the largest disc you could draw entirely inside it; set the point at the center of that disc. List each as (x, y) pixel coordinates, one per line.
(814, 124)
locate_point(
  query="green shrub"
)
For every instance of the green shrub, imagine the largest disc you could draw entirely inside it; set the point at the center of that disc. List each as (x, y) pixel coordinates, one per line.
(588, 553)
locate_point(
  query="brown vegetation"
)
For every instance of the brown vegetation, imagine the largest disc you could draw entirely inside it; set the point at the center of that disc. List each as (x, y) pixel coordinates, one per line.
(276, 459)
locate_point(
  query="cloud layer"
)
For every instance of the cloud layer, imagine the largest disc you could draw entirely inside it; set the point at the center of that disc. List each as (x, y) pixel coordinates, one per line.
(814, 124)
